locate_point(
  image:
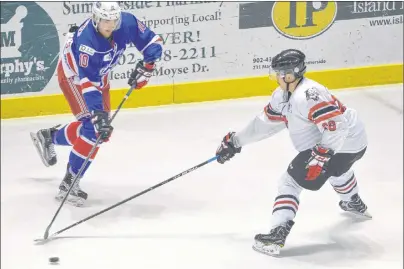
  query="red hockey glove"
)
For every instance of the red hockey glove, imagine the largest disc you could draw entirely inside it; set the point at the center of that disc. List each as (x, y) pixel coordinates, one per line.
(318, 162)
(141, 75)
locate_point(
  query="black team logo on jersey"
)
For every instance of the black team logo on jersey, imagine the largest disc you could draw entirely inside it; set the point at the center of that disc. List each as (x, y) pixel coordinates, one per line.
(29, 47)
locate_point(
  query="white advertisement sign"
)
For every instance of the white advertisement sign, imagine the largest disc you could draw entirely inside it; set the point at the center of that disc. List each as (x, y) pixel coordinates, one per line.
(205, 40)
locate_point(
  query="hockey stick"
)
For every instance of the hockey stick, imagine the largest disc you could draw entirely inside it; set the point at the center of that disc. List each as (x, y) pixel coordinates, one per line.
(132, 197)
(86, 161)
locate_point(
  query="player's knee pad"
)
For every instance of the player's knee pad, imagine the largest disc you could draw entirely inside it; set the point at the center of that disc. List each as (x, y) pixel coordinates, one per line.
(88, 138)
(87, 130)
(86, 141)
(287, 185)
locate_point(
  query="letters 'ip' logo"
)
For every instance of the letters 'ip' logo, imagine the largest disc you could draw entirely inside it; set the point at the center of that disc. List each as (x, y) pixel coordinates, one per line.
(303, 20)
(29, 47)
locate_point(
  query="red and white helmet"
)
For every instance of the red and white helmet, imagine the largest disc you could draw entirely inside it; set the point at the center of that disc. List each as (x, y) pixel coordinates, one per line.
(106, 11)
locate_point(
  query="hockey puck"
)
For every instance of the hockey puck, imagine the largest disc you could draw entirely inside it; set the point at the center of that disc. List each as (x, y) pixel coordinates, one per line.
(54, 259)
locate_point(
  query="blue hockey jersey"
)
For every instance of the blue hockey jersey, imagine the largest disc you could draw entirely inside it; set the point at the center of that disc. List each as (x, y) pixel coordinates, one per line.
(89, 57)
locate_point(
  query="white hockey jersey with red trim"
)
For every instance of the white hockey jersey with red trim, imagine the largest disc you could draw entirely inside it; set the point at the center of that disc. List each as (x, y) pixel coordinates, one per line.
(312, 116)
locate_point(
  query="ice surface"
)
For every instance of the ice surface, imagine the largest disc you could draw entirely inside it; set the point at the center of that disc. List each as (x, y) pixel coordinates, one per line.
(208, 218)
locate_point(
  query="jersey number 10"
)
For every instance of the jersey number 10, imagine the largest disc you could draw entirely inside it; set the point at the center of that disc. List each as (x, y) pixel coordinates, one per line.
(83, 61)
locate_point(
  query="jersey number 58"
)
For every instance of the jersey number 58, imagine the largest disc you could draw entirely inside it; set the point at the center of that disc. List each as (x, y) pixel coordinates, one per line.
(330, 125)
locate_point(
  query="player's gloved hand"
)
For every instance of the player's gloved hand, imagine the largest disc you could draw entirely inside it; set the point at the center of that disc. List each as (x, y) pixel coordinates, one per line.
(141, 75)
(318, 161)
(227, 149)
(100, 120)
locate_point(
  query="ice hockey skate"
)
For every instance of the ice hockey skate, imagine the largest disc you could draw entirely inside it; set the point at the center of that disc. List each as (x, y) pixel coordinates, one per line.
(272, 243)
(44, 145)
(77, 196)
(355, 206)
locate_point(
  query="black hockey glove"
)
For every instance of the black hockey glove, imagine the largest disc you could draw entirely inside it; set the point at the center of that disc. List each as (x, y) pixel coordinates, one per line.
(227, 150)
(318, 161)
(100, 120)
(73, 28)
(141, 75)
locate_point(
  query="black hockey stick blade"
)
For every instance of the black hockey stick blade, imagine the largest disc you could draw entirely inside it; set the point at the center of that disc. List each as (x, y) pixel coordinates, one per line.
(42, 241)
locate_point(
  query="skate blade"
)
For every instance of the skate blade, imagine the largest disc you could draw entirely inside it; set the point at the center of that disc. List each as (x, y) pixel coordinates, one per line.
(37, 145)
(365, 215)
(71, 200)
(270, 250)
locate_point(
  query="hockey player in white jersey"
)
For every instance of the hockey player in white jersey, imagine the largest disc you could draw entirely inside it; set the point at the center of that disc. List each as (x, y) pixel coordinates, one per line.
(330, 138)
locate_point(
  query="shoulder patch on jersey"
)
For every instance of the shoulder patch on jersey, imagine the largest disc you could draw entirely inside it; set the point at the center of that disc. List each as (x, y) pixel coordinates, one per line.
(312, 93)
(141, 26)
(87, 49)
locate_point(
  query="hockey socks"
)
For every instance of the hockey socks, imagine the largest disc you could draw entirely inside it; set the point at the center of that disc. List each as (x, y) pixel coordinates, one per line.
(80, 135)
(67, 135)
(286, 203)
(345, 185)
(80, 151)
(82, 148)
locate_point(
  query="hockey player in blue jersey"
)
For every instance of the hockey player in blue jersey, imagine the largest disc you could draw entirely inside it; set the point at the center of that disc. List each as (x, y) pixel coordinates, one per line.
(90, 52)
